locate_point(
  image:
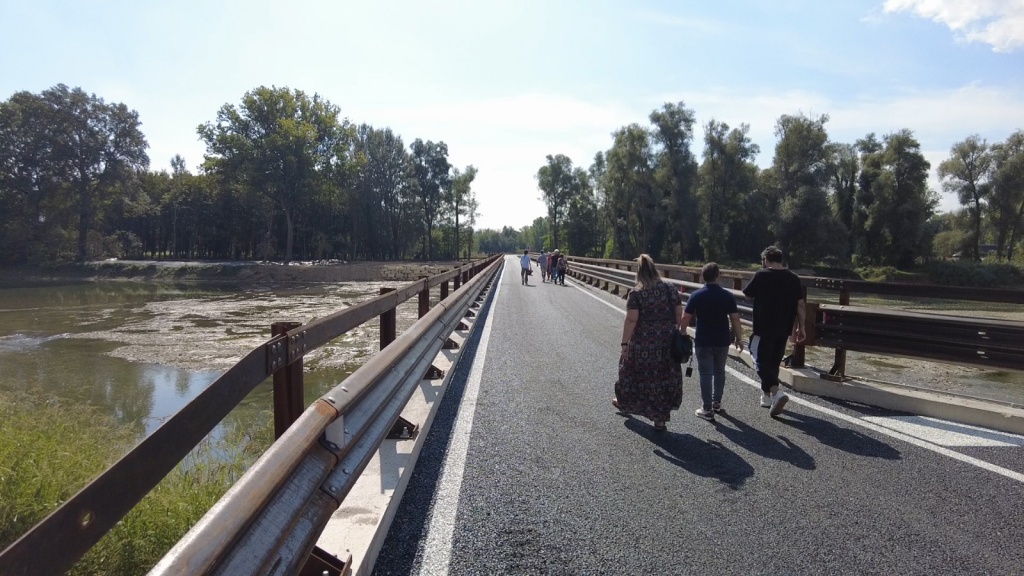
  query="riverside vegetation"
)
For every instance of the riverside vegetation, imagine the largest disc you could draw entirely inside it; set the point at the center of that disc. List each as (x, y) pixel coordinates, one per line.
(50, 450)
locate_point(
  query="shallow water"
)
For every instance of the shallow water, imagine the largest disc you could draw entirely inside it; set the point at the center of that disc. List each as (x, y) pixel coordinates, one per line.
(142, 351)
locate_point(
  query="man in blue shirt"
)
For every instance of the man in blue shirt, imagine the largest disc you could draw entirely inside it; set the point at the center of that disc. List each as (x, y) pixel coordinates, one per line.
(714, 307)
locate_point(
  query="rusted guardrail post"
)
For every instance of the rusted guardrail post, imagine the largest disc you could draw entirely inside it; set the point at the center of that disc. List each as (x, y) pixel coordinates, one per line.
(839, 365)
(424, 298)
(388, 323)
(796, 360)
(288, 386)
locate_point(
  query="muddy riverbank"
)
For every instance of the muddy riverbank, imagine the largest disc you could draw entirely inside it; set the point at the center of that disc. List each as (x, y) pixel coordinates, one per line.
(231, 273)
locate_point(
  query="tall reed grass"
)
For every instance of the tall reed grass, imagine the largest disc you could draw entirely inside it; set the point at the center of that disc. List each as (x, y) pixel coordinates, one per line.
(49, 450)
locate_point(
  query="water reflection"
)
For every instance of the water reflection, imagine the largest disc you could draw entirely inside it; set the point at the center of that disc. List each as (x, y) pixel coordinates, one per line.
(142, 351)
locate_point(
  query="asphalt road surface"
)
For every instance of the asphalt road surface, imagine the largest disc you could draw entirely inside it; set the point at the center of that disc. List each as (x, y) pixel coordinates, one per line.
(528, 469)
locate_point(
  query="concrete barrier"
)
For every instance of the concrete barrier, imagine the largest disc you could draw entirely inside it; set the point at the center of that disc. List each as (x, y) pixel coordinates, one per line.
(935, 404)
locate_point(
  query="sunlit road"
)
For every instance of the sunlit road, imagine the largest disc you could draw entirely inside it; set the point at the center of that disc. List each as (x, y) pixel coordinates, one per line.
(529, 470)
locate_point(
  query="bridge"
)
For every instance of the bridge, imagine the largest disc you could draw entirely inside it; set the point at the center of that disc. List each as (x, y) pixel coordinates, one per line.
(505, 455)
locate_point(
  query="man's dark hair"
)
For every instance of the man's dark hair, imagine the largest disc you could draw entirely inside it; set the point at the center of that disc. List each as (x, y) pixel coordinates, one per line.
(710, 272)
(772, 254)
(526, 251)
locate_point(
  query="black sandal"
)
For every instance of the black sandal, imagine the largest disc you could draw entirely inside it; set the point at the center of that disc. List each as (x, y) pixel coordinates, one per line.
(660, 426)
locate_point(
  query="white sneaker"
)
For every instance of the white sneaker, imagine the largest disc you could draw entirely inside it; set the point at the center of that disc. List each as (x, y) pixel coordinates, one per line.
(779, 400)
(766, 400)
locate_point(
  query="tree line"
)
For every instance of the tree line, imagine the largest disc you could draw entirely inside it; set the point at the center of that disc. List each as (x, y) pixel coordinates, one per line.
(284, 177)
(865, 203)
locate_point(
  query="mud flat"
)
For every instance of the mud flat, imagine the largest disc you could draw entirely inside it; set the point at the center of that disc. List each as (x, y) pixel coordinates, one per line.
(243, 273)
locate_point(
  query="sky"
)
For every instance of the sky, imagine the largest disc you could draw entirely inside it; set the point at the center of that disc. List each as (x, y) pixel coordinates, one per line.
(506, 83)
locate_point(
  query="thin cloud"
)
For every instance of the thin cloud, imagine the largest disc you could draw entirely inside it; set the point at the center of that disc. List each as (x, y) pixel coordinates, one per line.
(999, 23)
(700, 25)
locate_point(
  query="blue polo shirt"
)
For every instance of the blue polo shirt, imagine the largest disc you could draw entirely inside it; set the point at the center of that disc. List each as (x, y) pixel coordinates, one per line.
(712, 305)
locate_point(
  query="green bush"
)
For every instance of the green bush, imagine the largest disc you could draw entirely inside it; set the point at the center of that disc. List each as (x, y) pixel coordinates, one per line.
(49, 451)
(974, 274)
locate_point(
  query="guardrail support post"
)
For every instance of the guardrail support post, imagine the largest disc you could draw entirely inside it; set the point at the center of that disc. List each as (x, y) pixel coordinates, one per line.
(424, 298)
(796, 360)
(839, 365)
(444, 290)
(388, 321)
(288, 386)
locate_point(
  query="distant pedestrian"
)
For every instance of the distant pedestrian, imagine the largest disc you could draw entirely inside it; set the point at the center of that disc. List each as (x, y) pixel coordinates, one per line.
(650, 383)
(715, 308)
(563, 267)
(553, 265)
(778, 315)
(542, 261)
(527, 267)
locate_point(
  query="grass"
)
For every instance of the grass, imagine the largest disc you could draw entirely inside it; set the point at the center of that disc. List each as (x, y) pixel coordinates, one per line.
(49, 451)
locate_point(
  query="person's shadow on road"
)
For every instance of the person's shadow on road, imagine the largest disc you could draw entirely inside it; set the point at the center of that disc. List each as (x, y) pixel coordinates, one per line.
(708, 459)
(762, 444)
(846, 439)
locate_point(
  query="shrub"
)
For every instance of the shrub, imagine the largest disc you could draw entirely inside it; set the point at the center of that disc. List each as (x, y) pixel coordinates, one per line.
(48, 452)
(974, 274)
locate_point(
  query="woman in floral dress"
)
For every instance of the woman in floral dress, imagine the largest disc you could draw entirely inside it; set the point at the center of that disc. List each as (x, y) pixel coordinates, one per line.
(650, 384)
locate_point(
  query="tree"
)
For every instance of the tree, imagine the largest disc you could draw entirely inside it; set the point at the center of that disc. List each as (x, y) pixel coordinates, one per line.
(433, 183)
(384, 203)
(581, 229)
(802, 222)
(842, 165)
(630, 190)
(967, 172)
(66, 148)
(558, 184)
(1007, 197)
(726, 175)
(463, 201)
(30, 180)
(901, 203)
(676, 175)
(282, 144)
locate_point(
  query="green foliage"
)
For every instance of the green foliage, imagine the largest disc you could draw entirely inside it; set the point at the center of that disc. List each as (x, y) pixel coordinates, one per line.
(432, 183)
(63, 153)
(48, 451)
(282, 144)
(981, 275)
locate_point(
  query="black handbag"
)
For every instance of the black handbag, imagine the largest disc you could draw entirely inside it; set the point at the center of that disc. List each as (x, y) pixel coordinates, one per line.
(680, 346)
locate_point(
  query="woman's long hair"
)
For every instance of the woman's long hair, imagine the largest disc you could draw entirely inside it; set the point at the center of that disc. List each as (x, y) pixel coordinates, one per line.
(646, 274)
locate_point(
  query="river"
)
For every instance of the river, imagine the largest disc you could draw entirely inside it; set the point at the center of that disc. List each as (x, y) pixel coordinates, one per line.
(141, 351)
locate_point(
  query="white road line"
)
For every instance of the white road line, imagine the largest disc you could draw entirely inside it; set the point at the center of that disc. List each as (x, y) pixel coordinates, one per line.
(441, 525)
(892, 433)
(948, 434)
(605, 302)
(871, 426)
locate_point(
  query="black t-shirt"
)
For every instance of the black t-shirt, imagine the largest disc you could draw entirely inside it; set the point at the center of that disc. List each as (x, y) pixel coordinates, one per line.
(775, 293)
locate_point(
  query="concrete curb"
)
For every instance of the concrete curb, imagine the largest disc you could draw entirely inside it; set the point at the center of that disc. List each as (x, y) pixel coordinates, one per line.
(975, 412)
(360, 525)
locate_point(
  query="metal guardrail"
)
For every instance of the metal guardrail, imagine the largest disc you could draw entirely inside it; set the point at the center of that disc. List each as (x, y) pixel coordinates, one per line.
(979, 342)
(88, 515)
(269, 521)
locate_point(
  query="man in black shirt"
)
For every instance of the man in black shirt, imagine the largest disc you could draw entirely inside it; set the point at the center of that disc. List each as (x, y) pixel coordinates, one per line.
(778, 315)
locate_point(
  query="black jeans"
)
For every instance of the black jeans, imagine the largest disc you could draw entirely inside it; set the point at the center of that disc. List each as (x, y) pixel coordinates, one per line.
(768, 354)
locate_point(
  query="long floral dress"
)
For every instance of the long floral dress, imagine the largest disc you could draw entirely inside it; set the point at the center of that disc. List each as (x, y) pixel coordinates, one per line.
(650, 383)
